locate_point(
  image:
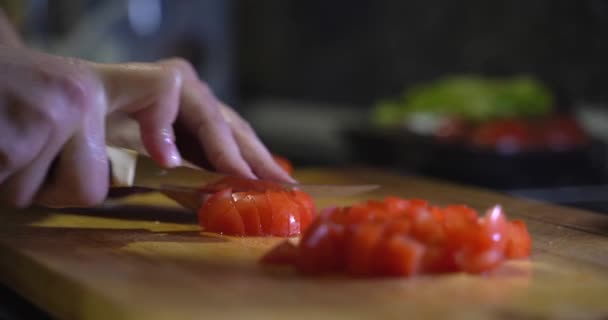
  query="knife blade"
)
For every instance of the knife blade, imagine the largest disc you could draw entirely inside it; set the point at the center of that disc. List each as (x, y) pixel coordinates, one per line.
(182, 184)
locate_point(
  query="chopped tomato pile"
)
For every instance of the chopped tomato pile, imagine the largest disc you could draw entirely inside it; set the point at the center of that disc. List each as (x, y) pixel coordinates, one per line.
(245, 207)
(399, 237)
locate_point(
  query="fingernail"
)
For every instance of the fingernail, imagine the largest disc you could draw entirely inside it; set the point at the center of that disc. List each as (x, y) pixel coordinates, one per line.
(173, 158)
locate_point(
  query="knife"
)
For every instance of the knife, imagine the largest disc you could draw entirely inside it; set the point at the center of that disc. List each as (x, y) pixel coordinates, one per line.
(183, 183)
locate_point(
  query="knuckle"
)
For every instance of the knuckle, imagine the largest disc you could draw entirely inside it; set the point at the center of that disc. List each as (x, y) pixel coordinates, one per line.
(245, 126)
(170, 78)
(183, 66)
(12, 156)
(78, 90)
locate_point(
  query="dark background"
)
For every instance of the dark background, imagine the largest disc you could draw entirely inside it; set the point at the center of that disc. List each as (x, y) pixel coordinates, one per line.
(359, 51)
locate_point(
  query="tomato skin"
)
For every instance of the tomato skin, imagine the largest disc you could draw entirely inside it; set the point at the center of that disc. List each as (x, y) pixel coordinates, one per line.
(255, 208)
(228, 222)
(246, 206)
(399, 237)
(519, 244)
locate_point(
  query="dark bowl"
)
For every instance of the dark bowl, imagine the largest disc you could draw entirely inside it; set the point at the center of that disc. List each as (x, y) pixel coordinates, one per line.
(403, 150)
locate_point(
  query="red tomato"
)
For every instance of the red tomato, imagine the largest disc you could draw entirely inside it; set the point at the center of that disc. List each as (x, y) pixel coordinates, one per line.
(361, 248)
(276, 213)
(284, 163)
(519, 243)
(399, 237)
(322, 249)
(562, 133)
(505, 136)
(255, 208)
(398, 256)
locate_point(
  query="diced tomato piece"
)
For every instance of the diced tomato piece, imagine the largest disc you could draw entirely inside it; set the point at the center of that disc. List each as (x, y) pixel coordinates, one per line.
(399, 237)
(398, 256)
(397, 226)
(519, 244)
(493, 230)
(439, 259)
(425, 228)
(321, 250)
(479, 261)
(284, 253)
(360, 248)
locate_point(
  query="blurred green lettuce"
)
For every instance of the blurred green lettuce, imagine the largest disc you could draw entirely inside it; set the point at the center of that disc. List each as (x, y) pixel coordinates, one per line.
(472, 98)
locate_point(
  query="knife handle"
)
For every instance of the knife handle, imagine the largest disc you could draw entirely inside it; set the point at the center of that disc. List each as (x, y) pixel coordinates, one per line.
(123, 163)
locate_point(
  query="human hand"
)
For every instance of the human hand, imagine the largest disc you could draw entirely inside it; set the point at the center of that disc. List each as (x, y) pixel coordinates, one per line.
(183, 108)
(52, 113)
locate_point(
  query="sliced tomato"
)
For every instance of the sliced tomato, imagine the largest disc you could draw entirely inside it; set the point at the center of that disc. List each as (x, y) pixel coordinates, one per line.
(227, 222)
(247, 208)
(274, 211)
(218, 202)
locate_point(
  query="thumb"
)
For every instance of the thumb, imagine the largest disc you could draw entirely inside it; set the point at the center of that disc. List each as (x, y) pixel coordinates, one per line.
(150, 94)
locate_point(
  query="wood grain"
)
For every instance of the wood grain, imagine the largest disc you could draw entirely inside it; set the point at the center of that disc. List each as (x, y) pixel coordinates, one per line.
(144, 257)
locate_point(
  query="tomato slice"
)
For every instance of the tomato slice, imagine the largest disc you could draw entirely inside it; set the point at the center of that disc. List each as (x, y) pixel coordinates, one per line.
(247, 208)
(228, 222)
(219, 202)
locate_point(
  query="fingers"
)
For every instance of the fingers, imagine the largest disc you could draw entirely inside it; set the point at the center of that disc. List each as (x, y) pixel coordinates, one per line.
(80, 177)
(29, 148)
(253, 150)
(200, 114)
(13, 128)
(149, 94)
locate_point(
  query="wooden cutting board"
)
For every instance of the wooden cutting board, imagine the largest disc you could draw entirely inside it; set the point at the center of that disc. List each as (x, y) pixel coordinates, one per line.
(144, 258)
